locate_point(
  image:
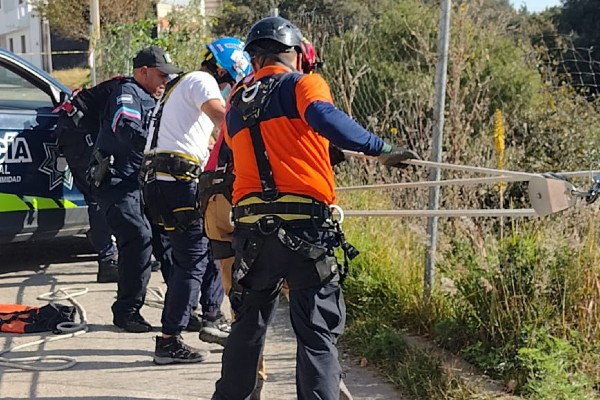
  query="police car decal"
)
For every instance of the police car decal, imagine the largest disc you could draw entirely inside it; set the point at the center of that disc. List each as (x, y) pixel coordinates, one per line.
(13, 150)
(51, 167)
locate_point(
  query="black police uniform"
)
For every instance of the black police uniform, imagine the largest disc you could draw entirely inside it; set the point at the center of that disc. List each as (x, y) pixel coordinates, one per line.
(123, 132)
(77, 130)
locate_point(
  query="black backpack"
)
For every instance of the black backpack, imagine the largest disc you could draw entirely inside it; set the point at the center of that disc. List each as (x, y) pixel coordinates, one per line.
(79, 120)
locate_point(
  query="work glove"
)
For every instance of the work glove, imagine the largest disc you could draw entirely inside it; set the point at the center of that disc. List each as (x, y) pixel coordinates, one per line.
(396, 156)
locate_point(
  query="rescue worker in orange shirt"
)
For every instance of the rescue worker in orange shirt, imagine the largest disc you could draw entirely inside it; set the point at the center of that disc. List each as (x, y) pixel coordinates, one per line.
(284, 228)
(217, 186)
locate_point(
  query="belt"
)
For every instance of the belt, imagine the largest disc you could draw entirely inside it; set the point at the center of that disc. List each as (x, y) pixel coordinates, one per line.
(177, 165)
(287, 207)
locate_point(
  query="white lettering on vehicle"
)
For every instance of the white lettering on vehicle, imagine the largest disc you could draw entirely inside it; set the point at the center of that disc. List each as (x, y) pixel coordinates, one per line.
(10, 179)
(14, 149)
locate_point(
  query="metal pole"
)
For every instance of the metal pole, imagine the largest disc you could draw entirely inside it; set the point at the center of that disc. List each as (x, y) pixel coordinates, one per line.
(436, 150)
(94, 37)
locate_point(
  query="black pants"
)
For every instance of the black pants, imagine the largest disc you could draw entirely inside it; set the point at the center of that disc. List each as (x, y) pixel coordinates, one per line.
(129, 224)
(317, 313)
(100, 235)
(192, 268)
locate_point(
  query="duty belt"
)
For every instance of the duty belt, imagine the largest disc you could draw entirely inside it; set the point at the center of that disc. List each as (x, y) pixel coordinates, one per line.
(287, 208)
(176, 165)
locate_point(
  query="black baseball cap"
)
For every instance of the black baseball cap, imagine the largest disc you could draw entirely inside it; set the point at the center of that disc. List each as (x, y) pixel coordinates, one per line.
(155, 57)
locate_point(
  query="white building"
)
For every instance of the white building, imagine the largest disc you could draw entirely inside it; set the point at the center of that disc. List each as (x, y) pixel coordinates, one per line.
(24, 34)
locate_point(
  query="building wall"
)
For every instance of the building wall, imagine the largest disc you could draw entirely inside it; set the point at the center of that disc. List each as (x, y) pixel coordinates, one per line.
(22, 33)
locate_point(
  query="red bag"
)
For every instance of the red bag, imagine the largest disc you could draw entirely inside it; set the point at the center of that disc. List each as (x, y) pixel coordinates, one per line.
(17, 318)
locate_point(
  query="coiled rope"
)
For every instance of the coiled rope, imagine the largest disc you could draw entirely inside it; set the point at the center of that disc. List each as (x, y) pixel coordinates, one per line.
(66, 330)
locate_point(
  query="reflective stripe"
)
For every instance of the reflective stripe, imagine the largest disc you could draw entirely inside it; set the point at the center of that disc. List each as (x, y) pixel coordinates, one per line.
(286, 217)
(287, 198)
(178, 154)
(67, 203)
(129, 112)
(12, 202)
(41, 203)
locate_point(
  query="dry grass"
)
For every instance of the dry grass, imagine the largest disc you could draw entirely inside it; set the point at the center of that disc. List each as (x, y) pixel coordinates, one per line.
(73, 78)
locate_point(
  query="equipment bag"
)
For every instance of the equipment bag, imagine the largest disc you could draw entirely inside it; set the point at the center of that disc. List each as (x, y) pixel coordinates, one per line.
(17, 318)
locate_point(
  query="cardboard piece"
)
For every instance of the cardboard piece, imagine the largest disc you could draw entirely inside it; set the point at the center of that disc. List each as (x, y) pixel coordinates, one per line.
(548, 195)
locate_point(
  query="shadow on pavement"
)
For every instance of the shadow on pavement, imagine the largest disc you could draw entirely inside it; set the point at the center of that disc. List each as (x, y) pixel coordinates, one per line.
(36, 255)
(86, 398)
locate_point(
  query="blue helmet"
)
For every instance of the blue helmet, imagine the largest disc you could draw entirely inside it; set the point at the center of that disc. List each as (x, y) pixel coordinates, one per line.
(228, 53)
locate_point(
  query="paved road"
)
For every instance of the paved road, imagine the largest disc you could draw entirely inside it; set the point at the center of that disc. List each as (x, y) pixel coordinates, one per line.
(115, 365)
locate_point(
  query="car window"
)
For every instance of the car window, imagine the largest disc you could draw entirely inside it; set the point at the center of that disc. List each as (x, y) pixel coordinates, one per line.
(18, 93)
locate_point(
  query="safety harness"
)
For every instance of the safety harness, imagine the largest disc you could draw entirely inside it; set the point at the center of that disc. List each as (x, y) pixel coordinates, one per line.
(270, 209)
(180, 166)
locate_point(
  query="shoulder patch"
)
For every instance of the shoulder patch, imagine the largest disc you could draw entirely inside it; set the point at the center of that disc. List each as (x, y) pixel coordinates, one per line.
(125, 99)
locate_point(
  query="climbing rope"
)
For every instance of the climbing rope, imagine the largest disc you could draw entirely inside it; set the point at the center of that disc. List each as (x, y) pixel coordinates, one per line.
(549, 193)
(66, 330)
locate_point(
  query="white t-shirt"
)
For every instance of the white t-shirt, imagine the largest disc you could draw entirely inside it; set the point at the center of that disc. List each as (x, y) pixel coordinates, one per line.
(184, 128)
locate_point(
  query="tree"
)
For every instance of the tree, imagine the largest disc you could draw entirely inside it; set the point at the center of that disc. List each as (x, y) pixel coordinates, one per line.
(581, 18)
(71, 18)
(237, 16)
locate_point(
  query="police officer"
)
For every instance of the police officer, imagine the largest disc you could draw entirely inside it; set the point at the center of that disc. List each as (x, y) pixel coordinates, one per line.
(77, 129)
(114, 171)
(282, 191)
(186, 116)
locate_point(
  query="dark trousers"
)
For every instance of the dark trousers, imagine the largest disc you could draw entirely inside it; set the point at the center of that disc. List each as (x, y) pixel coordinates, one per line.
(99, 235)
(127, 220)
(317, 313)
(191, 262)
(162, 251)
(211, 290)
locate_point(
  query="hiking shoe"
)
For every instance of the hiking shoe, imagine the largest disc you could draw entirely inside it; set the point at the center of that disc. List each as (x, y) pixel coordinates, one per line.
(134, 323)
(194, 324)
(173, 350)
(108, 271)
(215, 330)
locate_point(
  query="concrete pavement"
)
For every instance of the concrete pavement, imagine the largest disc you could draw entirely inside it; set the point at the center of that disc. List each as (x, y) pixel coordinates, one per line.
(112, 364)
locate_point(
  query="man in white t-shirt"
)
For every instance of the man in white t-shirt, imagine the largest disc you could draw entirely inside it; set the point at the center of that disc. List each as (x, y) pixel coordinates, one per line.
(176, 152)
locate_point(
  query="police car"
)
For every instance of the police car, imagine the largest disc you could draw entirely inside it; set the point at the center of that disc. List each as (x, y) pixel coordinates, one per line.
(37, 195)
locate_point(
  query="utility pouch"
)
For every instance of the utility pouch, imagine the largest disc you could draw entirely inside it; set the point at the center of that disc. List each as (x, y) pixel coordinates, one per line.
(211, 183)
(147, 171)
(325, 265)
(247, 250)
(183, 218)
(99, 167)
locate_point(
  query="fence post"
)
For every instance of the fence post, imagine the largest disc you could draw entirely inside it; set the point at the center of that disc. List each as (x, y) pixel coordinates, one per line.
(94, 37)
(437, 142)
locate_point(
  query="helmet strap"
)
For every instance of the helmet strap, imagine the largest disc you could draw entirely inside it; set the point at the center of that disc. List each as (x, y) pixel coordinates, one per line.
(213, 68)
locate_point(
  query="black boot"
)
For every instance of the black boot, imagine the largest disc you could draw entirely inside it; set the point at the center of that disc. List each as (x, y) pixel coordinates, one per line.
(108, 271)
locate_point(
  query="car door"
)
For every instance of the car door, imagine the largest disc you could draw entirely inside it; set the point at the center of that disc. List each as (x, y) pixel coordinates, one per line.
(37, 196)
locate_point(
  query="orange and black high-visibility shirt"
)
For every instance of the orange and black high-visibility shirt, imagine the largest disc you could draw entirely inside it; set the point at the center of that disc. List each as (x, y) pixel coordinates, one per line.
(296, 123)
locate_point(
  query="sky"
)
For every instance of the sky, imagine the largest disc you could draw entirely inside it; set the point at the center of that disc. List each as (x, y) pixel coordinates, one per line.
(535, 5)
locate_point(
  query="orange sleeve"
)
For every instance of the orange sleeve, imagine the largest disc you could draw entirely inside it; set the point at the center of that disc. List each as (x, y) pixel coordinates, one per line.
(311, 88)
